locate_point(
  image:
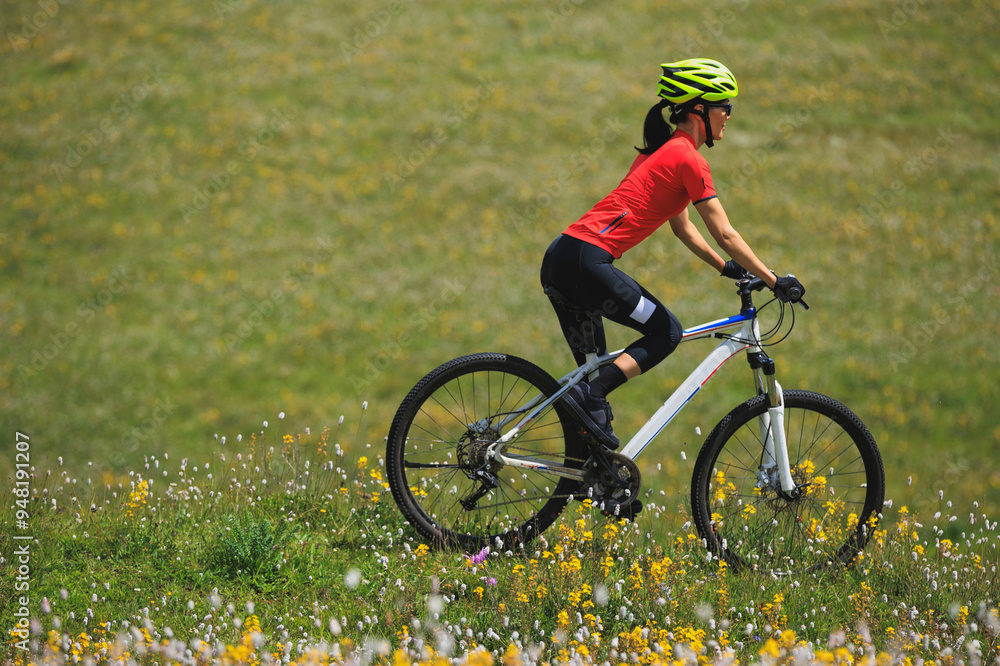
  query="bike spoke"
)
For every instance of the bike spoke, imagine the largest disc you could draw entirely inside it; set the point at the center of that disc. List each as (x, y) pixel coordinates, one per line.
(452, 482)
(762, 526)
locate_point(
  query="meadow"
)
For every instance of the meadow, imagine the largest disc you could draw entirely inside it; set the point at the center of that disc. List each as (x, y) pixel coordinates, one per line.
(213, 213)
(287, 548)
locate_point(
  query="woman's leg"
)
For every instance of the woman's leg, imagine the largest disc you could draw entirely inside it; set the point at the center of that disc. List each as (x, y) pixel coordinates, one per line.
(585, 274)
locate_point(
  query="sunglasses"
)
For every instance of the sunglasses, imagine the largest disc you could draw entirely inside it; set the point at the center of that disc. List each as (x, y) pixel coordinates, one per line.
(728, 107)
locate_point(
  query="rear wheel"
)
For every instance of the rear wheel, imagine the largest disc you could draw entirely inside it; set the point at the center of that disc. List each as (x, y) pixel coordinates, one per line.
(741, 511)
(439, 473)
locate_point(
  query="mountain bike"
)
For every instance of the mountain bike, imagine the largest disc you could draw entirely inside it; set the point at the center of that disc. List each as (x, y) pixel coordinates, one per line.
(483, 452)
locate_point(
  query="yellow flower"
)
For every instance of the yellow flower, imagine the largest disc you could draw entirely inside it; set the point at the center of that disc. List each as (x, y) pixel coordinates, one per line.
(770, 649)
(632, 641)
(479, 658)
(512, 656)
(137, 498)
(571, 566)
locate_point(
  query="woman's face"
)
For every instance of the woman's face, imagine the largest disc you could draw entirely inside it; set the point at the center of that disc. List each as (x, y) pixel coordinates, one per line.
(718, 114)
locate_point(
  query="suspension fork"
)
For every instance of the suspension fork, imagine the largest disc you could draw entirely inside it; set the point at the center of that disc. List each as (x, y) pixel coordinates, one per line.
(775, 458)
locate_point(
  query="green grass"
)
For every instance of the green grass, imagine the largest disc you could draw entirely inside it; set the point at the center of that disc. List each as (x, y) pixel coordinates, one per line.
(267, 548)
(216, 213)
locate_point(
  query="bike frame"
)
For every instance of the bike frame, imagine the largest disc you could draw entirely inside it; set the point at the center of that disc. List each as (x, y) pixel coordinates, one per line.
(736, 333)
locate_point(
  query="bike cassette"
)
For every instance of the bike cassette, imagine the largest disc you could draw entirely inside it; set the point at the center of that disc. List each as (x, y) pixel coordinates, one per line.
(476, 463)
(612, 483)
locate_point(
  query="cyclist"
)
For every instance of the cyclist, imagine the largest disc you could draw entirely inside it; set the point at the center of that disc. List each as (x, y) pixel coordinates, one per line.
(668, 174)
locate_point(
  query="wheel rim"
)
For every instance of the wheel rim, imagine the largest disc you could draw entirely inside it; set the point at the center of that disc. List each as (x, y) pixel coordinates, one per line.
(443, 458)
(756, 526)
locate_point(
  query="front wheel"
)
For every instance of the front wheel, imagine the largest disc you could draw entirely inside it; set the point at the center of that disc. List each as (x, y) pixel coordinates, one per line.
(440, 473)
(745, 517)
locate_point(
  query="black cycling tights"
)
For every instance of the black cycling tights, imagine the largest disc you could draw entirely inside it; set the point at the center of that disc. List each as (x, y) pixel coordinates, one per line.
(584, 274)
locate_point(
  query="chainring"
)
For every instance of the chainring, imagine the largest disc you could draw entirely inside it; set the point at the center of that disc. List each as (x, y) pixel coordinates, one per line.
(612, 481)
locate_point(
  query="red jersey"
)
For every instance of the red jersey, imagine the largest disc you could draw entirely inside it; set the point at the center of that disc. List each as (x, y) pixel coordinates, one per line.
(656, 188)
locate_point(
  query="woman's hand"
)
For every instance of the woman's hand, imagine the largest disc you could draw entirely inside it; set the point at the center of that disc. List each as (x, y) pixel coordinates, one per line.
(734, 271)
(788, 289)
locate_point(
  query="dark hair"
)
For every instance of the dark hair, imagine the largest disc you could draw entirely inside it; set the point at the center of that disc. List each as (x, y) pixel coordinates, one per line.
(656, 131)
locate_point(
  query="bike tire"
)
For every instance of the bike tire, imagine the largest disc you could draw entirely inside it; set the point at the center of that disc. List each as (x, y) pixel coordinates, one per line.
(746, 521)
(441, 425)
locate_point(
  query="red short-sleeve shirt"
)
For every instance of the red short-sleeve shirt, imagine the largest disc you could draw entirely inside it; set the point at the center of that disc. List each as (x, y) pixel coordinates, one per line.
(657, 188)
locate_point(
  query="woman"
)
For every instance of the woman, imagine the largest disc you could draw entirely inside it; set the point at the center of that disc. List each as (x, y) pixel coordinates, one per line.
(668, 174)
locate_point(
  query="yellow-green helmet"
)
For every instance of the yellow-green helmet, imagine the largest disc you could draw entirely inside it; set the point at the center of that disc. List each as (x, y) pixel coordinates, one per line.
(697, 78)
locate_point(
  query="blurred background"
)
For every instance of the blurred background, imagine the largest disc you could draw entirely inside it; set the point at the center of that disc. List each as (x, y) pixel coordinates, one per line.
(216, 213)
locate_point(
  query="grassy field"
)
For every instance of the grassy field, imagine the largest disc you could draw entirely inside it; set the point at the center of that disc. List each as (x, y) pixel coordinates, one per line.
(216, 213)
(280, 548)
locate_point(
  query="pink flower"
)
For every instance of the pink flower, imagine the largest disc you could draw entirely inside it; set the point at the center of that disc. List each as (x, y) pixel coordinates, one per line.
(479, 558)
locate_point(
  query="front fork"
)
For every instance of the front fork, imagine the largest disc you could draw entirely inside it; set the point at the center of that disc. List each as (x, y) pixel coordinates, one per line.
(774, 461)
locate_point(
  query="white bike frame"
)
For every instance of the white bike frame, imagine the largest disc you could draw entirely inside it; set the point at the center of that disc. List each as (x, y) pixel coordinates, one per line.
(743, 329)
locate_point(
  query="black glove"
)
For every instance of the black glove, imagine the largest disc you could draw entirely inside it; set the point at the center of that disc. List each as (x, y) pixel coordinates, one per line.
(734, 271)
(789, 289)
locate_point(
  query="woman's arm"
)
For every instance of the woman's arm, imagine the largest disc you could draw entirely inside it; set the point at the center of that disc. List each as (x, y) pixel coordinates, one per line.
(730, 241)
(688, 234)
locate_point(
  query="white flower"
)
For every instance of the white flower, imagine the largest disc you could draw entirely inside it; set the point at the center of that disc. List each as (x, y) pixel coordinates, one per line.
(352, 579)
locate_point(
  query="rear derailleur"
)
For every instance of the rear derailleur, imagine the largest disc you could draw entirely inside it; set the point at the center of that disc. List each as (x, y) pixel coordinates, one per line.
(472, 457)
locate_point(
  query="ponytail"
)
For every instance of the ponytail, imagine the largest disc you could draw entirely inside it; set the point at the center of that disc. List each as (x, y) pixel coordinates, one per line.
(655, 130)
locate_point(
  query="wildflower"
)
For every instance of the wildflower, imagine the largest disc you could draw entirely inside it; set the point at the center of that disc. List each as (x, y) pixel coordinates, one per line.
(478, 558)
(480, 658)
(770, 649)
(137, 498)
(512, 656)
